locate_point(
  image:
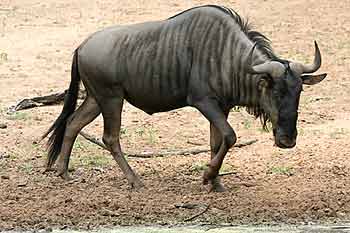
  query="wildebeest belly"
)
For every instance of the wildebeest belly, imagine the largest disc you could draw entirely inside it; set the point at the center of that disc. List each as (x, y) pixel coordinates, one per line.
(156, 96)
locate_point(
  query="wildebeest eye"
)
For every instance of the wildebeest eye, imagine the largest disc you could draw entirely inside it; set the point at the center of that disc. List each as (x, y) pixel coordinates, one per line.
(277, 95)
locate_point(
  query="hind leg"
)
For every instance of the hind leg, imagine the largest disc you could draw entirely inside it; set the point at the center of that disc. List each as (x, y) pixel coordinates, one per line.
(111, 111)
(86, 113)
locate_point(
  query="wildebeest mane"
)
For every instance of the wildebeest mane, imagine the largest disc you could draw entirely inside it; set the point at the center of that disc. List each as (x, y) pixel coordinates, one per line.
(263, 44)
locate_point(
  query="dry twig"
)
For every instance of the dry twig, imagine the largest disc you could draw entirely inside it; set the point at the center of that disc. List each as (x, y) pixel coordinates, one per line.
(199, 214)
(228, 173)
(38, 101)
(93, 140)
(193, 151)
(193, 206)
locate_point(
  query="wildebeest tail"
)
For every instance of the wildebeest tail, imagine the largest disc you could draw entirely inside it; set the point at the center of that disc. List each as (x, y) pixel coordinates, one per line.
(59, 126)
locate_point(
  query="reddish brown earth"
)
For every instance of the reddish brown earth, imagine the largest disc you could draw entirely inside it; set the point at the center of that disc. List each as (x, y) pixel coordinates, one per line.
(310, 183)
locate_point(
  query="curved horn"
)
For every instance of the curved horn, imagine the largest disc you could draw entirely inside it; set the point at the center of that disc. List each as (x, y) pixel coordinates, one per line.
(275, 69)
(316, 64)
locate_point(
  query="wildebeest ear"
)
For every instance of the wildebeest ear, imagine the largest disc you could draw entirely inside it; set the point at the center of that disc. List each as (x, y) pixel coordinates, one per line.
(313, 79)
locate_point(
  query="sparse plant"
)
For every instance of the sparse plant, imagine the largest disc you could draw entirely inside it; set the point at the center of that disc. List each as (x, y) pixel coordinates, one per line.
(151, 135)
(316, 131)
(89, 161)
(247, 124)
(338, 133)
(26, 167)
(16, 116)
(198, 167)
(226, 168)
(140, 131)
(38, 150)
(78, 144)
(301, 131)
(3, 57)
(94, 161)
(236, 109)
(123, 131)
(281, 170)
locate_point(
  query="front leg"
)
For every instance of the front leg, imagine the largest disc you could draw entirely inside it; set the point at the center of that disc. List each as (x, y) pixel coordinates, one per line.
(215, 143)
(224, 134)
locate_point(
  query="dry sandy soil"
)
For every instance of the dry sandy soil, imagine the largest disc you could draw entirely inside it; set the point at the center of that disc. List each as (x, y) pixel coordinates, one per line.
(307, 184)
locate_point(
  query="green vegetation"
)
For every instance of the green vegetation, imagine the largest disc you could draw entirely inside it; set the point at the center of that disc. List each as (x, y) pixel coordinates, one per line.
(90, 161)
(247, 123)
(152, 135)
(17, 116)
(338, 133)
(301, 131)
(123, 132)
(3, 57)
(236, 109)
(148, 133)
(78, 144)
(94, 160)
(140, 131)
(26, 167)
(281, 170)
(199, 167)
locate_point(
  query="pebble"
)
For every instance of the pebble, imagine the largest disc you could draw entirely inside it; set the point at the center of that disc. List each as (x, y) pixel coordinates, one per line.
(3, 155)
(5, 177)
(22, 183)
(3, 126)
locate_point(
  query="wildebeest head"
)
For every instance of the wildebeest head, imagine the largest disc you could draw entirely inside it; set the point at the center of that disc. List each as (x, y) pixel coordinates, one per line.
(280, 87)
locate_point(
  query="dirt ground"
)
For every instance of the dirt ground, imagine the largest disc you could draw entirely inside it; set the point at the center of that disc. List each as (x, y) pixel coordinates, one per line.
(307, 184)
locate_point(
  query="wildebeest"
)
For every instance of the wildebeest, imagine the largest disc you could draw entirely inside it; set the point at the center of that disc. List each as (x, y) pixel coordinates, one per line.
(206, 57)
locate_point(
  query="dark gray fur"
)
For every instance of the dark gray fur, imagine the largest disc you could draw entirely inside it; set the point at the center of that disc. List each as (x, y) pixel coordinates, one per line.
(203, 57)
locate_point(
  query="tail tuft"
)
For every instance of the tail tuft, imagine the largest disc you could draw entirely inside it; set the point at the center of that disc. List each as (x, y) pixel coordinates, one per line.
(58, 128)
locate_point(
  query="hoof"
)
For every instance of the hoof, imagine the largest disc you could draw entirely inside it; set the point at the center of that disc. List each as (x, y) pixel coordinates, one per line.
(136, 184)
(214, 181)
(65, 176)
(49, 169)
(208, 176)
(217, 187)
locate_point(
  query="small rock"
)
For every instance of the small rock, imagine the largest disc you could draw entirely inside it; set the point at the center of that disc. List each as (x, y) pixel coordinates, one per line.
(106, 212)
(3, 126)
(37, 118)
(5, 177)
(341, 214)
(22, 183)
(4, 155)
